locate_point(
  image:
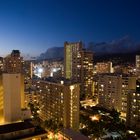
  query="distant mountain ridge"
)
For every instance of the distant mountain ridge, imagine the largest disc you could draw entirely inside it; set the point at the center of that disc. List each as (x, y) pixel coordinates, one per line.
(52, 53)
(122, 45)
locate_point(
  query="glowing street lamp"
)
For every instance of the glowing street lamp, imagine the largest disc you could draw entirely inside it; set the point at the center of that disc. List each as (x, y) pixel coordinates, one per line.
(40, 71)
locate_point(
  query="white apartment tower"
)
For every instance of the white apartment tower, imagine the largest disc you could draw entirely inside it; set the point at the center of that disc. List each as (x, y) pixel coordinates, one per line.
(13, 94)
(13, 87)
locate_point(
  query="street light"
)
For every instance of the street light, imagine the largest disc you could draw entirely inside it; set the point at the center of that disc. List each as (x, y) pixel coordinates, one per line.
(40, 71)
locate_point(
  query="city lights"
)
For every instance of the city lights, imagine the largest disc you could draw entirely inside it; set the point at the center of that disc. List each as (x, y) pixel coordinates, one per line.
(95, 118)
(54, 86)
(40, 70)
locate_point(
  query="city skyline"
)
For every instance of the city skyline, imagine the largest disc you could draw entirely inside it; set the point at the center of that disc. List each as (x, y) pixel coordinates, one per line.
(34, 26)
(72, 98)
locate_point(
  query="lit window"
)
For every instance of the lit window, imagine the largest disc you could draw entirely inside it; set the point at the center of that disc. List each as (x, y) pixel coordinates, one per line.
(134, 100)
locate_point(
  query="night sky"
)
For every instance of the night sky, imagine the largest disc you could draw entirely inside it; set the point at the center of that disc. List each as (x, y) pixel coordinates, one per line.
(33, 26)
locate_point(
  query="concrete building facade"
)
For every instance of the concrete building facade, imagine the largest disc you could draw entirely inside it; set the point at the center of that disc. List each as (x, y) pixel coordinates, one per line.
(72, 60)
(133, 107)
(113, 90)
(78, 66)
(13, 96)
(13, 63)
(138, 65)
(12, 87)
(59, 101)
(86, 74)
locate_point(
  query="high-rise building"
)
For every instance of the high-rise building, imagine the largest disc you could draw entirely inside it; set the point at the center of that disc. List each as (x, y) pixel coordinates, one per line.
(86, 75)
(72, 59)
(78, 66)
(28, 69)
(13, 62)
(13, 97)
(95, 87)
(113, 90)
(133, 108)
(128, 83)
(58, 101)
(109, 91)
(13, 87)
(1, 101)
(138, 65)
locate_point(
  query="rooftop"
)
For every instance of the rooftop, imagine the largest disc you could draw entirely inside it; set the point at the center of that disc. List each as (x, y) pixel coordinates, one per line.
(117, 74)
(60, 80)
(15, 127)
(15, 52)
(73, 134)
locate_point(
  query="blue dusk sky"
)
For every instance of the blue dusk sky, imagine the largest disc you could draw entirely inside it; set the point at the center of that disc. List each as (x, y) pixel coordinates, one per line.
(33, 26)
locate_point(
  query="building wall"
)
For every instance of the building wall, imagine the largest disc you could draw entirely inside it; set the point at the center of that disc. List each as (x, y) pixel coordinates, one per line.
(27, 69)
(113, 91)
(128, 83)
(59, 102)
(13, 63)
(31, 97)
(78, 66)
(1, 100)
(13, 96)
(109, 91)
(68, 62)
(72, 60)
(22, 94)
(133, 108)
(71, 106)
(138, 65)
(86, 74)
